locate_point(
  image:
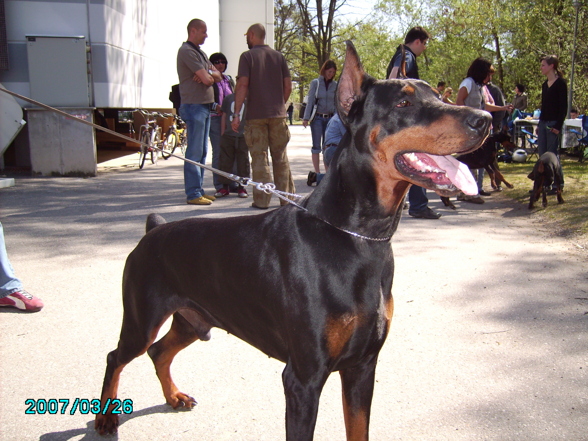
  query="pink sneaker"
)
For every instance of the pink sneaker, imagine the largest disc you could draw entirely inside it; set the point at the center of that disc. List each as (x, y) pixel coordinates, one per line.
(22, 300)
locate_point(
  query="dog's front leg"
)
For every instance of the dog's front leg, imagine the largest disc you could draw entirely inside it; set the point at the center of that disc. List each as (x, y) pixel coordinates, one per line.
(302, 401)
(358, 389)
(492, 176)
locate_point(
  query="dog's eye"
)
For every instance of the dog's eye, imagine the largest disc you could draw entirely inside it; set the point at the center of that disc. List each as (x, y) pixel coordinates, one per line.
(404, 104)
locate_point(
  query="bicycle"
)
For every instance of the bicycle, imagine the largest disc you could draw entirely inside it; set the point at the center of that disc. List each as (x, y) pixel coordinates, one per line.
(149, 137)
(176, 136)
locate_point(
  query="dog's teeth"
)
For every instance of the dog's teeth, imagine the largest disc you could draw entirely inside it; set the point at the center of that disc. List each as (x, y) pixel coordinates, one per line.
(420, 165)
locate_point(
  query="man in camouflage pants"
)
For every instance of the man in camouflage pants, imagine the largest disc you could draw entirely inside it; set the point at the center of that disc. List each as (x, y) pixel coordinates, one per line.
(267, 90)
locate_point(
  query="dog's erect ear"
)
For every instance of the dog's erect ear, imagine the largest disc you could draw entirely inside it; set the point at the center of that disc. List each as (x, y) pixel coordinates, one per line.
(349, 88)
(541, 168)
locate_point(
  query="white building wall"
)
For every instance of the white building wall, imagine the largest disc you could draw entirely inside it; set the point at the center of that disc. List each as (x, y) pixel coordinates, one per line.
(235, 18)
(144, 37)
(134, 43)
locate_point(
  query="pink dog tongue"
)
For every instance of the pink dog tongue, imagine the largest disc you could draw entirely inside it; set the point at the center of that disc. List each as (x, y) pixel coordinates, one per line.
(457, 172)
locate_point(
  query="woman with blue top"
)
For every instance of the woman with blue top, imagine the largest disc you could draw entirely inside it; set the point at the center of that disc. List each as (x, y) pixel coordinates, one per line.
(320, 108)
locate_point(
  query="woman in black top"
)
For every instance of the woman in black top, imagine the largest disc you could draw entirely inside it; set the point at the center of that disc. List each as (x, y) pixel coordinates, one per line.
(554, 106)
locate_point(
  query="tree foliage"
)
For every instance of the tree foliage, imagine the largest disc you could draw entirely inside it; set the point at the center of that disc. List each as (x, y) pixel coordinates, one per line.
(513, 34)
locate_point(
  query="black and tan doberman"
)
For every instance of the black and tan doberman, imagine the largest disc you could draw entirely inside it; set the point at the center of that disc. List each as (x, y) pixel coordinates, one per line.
(546, 172)
(309, 286)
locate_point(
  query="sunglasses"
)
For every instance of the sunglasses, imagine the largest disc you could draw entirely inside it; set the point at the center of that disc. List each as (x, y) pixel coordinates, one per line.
(220, 62)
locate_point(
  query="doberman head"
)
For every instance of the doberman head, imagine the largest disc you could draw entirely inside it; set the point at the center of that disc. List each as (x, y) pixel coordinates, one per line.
(399, 133)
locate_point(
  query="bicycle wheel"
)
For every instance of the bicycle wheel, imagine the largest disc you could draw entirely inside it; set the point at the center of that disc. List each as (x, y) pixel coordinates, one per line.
(170, 143)
(183, 142)
(144, 147)
(156, 143)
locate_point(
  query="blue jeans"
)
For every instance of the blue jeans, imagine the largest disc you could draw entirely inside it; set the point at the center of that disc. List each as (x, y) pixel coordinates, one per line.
(327, 157)
(215, 136)
(417, 198)
(197, 118)
(8, 281)
(317, 129)
(479, 175)
(548, 141)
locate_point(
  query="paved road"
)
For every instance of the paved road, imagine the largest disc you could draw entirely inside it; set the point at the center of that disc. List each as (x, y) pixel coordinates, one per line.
(489, 339)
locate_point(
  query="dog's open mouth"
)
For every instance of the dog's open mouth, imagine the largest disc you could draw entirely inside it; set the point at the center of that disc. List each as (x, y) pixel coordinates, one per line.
(443, 174)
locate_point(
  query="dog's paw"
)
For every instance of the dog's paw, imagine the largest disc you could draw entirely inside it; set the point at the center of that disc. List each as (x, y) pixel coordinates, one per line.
(180, 400)
(106, 424)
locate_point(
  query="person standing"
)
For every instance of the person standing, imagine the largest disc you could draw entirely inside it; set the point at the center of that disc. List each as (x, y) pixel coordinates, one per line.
(264, 79)
(222, 89)
(498, 116)
(333, 134)
(415, 43)
(520, 99)
(554, 108)
(554, 105)
(197, 75)
(474, 93)
(233, 149)
(322, 95)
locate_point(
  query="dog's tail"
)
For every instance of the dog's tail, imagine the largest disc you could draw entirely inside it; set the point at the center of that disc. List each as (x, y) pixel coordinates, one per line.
(153, 220)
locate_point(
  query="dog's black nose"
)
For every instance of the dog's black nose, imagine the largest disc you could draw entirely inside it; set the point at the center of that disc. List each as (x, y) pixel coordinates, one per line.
(479, 120)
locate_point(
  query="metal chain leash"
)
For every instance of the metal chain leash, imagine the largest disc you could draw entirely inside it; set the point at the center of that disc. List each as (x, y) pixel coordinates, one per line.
(268, 188)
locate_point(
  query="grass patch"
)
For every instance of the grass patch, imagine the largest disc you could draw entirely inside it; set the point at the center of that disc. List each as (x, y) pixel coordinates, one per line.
(570, 219)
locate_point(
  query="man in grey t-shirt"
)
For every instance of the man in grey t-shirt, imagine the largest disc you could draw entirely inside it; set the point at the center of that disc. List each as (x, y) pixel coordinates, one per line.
(197, 75)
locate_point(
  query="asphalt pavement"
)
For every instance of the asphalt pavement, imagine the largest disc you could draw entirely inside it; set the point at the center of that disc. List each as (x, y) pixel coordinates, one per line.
(489, 339)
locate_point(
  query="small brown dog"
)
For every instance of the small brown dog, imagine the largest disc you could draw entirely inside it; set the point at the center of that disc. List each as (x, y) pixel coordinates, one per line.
(547, 172)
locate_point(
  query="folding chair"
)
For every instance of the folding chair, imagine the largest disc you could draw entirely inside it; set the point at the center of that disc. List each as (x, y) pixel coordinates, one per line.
(582, 137)
(533, 143)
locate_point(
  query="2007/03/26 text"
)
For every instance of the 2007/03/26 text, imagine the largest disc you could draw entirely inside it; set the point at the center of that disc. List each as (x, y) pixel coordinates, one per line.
(54, 406)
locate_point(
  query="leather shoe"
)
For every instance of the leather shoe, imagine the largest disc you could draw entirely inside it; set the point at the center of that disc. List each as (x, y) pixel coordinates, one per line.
(311, 178)
(484, 193)
(425, 213)
(200, 201)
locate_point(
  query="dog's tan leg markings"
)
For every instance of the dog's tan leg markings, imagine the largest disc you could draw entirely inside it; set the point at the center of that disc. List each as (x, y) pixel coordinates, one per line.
(181, 334)
(356, 422)
(389, 311)
(107, 423)
(338, 332)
